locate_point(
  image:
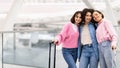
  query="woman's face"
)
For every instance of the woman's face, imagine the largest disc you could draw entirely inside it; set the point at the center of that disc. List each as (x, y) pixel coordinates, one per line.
(88, 17)
(97, 16)
(78, 18)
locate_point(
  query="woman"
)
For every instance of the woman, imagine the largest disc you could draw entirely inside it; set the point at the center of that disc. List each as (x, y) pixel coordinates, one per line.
(88, 46)
(107, 39)
(69, 39)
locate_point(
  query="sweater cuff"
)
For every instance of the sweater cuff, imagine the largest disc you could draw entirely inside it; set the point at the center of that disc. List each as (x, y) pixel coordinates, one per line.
(114, 43)
(57, 38)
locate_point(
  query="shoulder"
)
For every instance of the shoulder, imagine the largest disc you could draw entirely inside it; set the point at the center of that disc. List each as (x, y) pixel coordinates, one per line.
(91, 24)
(67, 25)
(107, 22)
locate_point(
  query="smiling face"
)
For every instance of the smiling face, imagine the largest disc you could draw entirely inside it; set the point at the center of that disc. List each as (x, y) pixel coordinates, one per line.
(97, 16)
(88, 17)
(77, 18)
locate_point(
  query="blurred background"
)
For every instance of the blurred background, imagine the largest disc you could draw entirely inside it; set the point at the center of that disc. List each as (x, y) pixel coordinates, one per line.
(27, 27)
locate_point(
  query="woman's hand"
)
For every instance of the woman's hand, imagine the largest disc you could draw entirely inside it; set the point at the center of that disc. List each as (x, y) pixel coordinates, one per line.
(113, 47)
(55, 41)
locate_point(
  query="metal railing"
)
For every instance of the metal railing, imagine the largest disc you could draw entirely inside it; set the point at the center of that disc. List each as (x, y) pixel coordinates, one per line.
(31, 48)
(27, 48)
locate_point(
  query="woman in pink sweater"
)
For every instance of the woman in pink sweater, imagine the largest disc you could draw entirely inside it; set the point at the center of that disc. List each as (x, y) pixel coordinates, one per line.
(107, 39)
(68, 37)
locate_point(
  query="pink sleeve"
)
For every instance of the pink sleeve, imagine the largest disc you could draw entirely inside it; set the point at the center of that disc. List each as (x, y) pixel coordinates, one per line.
(112, 33)
(63, 34)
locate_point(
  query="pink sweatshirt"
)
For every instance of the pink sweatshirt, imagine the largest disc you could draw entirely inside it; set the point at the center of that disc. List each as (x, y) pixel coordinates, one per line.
(69, 36)
(105, 31)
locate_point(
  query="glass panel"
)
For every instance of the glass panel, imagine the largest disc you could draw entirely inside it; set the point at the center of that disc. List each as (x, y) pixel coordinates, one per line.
(0, 50)
(27, 49)
(31, 49)
(118, 46)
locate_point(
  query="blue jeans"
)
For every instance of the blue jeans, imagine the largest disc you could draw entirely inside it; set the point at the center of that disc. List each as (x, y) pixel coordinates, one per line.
(70, 56)
(88, 57)
(106, 55)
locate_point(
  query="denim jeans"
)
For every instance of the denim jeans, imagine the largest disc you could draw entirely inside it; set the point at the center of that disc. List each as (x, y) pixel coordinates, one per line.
(70, 56)
(106, 55)
(88, 57)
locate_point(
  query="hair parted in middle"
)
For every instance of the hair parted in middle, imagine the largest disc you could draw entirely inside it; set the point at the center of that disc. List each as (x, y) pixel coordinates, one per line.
(84, 12)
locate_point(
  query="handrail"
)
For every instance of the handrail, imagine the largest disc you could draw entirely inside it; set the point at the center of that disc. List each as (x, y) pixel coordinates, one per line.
(23, 31)
(2, 33)
(32, 30)
(13, 33)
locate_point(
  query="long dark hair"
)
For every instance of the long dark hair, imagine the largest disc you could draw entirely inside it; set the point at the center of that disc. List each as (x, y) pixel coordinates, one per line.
(73, 17)
(84, 12)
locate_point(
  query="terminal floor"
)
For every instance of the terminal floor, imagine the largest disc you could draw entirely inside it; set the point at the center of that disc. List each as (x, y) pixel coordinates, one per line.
(35, 58)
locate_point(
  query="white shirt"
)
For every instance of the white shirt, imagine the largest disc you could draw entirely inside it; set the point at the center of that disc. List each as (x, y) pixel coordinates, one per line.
(85, 35)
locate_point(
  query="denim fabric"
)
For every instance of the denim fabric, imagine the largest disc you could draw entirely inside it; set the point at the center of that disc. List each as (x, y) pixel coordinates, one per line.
(70, 56)
(94, 40)
(106, 55)
(88, 57)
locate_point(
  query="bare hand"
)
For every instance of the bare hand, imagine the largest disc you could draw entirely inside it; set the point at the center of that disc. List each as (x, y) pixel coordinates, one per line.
(55, 41)
(113, 47)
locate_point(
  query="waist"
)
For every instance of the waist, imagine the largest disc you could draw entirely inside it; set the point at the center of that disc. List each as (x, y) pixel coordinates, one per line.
(69, 46)
(87, 45)
(102, 40)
